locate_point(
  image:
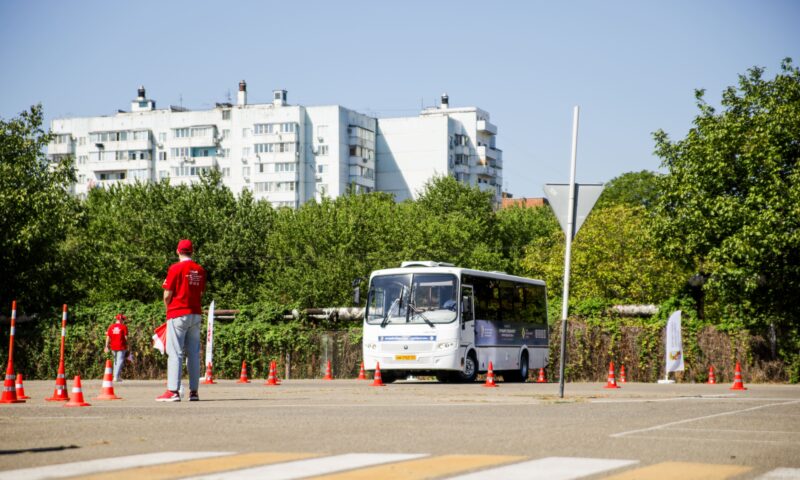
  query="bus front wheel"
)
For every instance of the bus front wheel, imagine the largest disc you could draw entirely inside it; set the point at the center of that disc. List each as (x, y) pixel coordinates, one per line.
(470, 371)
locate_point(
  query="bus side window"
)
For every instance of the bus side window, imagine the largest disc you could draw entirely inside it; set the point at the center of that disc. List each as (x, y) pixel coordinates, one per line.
(466, 307)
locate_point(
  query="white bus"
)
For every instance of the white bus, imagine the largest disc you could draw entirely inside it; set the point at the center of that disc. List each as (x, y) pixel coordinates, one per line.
(428, 318)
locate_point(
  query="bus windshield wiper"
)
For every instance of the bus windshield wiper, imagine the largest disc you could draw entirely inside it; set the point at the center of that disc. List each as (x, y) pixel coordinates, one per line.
(419, 312)
(397, 301)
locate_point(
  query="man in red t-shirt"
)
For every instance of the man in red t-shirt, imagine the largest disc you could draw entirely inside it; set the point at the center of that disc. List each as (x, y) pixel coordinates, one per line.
(117, 336)
(183, 289)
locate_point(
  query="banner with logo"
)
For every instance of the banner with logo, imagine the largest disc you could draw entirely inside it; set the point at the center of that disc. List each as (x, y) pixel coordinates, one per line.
(674, 345)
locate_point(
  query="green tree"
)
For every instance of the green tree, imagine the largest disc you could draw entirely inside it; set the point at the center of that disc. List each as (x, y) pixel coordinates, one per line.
(632, 189)
(613, 260)
(517, 227)
(730, 203)
(37, 211)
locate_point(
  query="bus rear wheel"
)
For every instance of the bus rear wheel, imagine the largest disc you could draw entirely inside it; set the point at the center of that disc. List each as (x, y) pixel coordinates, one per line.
(521, 374)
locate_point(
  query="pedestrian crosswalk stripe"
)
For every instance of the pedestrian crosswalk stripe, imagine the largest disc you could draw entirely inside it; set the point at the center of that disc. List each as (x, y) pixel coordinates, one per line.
(312, 467)
(431, 467)
(103, 465)
(781, 474)
(550, 468)
(684, 471)
(201, 466)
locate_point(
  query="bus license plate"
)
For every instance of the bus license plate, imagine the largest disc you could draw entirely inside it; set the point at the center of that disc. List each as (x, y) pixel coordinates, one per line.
(405, 357)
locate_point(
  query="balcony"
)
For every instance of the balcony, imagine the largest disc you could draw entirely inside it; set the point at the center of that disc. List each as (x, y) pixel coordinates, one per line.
(353, 160)
(488, 153)
(482, 170)
(485, 126)
(64, 148)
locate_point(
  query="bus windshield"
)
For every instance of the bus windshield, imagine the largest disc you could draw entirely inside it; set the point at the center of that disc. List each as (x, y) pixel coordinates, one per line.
(412, 298)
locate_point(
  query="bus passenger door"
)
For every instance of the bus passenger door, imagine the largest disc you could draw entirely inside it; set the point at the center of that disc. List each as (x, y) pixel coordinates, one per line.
(467, 316)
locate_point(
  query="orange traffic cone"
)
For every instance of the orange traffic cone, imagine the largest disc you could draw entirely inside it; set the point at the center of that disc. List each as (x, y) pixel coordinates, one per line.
(76, 399)
(541, 376)
(20, 388)
(362, 375)
(612, 381)
(622, 378)
(243, 376)
(737, 379)
(712, 379)
(209, 378)
(490, 377)
(272, 379)
(376, 378)
(60, 393)
(107, 393)
(9, 387)
(328, 374)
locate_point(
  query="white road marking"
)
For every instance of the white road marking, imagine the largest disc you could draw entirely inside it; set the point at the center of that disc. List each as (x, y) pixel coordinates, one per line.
(695, 419)
(312, 467)
(103, 465)
(550, 468)
(781, 474)
(726, 440)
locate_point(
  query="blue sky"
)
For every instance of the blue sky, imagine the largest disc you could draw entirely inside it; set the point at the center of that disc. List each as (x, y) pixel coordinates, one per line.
(631, 66)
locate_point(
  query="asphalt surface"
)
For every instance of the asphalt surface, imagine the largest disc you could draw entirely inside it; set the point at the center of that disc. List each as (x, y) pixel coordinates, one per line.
(758, 428)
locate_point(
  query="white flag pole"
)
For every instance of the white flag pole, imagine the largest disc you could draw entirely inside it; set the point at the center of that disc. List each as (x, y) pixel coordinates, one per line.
(210, 336)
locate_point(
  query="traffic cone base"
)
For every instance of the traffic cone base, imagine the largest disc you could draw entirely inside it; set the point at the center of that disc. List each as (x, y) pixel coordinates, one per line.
(738, 384)
(60, 393)
(107, 393)
(20, 388)
(541, 378)
(76, 398)
(377, 381)
(328, 373)
(10, 390)
(612, 381)
(362, 375)
(243, 376)
(490, 378)
(209, 378)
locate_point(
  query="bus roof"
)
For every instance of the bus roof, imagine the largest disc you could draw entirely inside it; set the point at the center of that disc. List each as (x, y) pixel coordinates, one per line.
(434, 267)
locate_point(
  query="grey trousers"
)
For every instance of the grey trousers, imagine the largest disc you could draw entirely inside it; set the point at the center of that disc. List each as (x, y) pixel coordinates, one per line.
(119, 361)
(183, 342)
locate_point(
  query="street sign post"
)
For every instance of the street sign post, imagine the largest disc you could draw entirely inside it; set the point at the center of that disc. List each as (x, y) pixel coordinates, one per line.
(571, 204)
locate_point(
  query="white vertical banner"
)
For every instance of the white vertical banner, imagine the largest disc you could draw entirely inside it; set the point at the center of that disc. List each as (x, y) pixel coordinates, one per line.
(210, 336)
(674, 345)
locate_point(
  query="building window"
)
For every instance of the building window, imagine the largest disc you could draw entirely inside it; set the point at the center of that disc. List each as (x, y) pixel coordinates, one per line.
(284, 167)
(180, 132)
(245, 151)
(322, 150)
(162, 174)
(226, 172)
(288, 127)
(202, 131)
(162, 155)
(245, 132)
(82, 141)
(226, 133)
(82, 159)
(245, 172)
(180, 152)
(162, 137)
(322, 189)
(322, 168)
(263, 128)
(226, 114)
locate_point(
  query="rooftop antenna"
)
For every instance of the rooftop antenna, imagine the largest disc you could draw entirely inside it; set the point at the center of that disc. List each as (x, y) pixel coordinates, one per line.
(228, 96)
(180, 100)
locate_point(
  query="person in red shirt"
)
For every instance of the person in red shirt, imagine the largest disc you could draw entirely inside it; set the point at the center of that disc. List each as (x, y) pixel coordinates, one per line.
(183, 290)
(117, 337)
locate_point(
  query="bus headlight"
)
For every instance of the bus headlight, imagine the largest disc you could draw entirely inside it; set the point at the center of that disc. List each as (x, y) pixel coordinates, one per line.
(445, 345)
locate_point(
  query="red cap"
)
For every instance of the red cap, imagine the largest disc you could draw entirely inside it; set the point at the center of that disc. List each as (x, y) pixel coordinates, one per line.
(121, 316)
(185, 246)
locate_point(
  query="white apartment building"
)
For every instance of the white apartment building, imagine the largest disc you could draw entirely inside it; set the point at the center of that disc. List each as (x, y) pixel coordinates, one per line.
(285, 154)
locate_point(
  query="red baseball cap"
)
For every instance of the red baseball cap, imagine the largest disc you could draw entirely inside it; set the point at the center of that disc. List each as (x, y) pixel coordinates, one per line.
(121, 316)
(185, 246)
